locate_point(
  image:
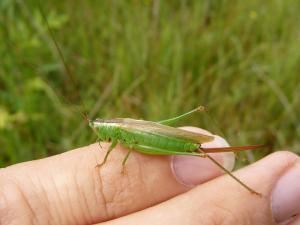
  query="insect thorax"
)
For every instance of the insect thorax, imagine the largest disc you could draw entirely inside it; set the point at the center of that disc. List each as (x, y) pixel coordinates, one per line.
(106, 130)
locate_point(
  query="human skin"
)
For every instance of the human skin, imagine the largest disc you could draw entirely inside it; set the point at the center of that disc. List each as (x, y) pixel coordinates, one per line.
(68, 189)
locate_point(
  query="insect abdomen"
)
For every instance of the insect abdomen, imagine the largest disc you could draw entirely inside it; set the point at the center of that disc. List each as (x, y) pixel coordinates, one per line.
(156, 140)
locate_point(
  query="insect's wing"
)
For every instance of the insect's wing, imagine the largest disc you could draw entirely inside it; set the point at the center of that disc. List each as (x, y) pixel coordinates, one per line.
(156, 128)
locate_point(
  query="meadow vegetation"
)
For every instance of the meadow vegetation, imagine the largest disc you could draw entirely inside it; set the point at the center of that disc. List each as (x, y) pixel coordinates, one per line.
(148, 59)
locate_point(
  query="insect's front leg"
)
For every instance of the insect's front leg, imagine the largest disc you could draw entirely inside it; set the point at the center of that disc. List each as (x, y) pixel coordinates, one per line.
(111, 147)
(99, 143)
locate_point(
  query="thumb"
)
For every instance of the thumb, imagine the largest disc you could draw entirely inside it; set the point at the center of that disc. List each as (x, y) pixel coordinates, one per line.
(223, 201)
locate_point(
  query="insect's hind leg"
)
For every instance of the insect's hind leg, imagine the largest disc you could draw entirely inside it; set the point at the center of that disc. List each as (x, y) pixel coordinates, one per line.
(177, 118)
(228, 172)
(111, 147)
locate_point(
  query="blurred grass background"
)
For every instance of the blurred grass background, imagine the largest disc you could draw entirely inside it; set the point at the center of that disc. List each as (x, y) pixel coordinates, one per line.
(148, 59)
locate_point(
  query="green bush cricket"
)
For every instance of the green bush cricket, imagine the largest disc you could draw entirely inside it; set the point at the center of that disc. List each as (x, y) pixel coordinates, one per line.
(157, 138)
(154, 138)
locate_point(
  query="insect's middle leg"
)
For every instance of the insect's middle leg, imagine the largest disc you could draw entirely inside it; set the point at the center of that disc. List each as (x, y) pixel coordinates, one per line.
(125, 160)
(111, 147)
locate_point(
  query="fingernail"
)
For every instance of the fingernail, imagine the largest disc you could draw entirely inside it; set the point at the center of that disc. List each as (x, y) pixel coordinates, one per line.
(286, 195)
(191, 170)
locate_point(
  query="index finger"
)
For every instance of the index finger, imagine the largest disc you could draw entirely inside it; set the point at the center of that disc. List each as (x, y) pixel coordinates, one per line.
(67, 189)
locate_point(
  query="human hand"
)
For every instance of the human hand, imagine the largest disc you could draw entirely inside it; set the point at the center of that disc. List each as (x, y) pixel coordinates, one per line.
(68, 189)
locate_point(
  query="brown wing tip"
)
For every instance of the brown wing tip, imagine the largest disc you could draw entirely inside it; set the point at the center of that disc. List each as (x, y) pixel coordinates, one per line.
(206, 138)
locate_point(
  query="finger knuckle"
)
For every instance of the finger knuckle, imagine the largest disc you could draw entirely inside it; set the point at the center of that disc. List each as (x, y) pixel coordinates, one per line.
(285, 156)
(283, 159)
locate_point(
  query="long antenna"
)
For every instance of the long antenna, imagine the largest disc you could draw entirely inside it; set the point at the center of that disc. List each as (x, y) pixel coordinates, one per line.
(65, 65)
(70, 75)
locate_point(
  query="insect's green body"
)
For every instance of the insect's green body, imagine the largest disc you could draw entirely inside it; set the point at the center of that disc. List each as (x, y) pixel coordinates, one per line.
(149, 137)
